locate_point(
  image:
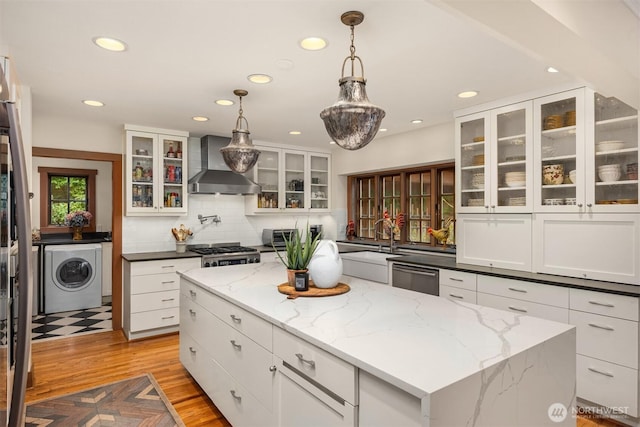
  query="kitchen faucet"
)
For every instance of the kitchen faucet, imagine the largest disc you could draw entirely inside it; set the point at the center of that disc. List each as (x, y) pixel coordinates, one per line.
(214, 218)
(376, 232)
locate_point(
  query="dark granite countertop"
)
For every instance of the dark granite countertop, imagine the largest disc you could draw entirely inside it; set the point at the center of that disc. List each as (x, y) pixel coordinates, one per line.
(157, 256)
(66, 239)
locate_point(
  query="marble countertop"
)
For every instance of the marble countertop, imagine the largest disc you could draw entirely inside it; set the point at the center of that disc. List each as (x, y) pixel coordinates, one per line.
(418, 342)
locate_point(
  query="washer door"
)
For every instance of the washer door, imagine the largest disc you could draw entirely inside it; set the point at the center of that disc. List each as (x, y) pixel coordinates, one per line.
(74, 274)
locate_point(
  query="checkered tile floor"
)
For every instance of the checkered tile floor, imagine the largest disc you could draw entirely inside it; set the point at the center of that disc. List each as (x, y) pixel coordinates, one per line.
(76, 322)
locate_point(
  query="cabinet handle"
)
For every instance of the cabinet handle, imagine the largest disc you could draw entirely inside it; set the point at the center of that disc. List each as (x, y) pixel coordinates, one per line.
(303, 360)
(192, 293)
(486, 206)
(235, 318)
(192, 350)
(235, 396)
(493, 206)
(455, 279)
(456, 296)
(168, 317)
(521, 310)
(606, 374)
(168, 299)
(168, 266)
(192, 313)
(236, 345)
(524, 291)
(168, 281)
(603, 304)
(589, 205)
(273, 368)
(579, 205)
(606, 328)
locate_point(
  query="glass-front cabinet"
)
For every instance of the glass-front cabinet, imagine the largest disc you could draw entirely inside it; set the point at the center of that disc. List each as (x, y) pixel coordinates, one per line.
(493, 160)
(290, 181)
(156, 173)
(419, 207)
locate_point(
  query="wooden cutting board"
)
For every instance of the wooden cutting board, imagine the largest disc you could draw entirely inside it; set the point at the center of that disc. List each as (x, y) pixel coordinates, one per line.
(291, 292)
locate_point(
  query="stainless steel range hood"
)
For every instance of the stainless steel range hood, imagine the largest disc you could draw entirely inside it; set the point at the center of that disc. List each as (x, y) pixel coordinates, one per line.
(215, 176)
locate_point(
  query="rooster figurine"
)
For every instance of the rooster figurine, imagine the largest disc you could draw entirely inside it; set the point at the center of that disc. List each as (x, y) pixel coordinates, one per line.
(442, 235)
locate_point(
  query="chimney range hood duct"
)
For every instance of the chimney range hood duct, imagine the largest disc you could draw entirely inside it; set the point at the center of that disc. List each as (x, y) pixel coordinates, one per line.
(215, 176)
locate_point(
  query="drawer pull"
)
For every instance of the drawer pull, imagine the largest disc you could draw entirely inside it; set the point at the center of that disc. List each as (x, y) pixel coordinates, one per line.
(192, 350)
(518, 290)
(192, 293)
(166, 282)
(602, 304)
(168, 266)
(455, 279)
(192, 313)
(521, 310)
(168, 317)
(456, 296)
(235, 318)
(606, 374)
(301, 358)
(236, 345)
(168, 299)
(606, 328)
(235, 396)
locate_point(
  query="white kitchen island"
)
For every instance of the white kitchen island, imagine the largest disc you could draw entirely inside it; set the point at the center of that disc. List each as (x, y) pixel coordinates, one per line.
(376, 355)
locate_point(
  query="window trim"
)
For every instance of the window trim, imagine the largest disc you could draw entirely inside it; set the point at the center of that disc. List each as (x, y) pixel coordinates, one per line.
(45, 174)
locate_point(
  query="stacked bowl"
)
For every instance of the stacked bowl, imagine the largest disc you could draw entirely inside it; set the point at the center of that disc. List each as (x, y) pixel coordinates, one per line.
(477, 181)
(572, 176)
(515, 179)
(609, 173)
(609, 146)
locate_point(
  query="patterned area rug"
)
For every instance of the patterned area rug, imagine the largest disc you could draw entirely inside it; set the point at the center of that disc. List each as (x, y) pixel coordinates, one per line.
(132, 402)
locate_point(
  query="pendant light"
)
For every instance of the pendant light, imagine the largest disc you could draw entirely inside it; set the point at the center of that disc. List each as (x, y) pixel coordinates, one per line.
(240, 155)
(352, 122)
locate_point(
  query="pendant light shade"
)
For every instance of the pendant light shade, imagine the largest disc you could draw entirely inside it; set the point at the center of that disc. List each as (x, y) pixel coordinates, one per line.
(240, 155)
(352, 121)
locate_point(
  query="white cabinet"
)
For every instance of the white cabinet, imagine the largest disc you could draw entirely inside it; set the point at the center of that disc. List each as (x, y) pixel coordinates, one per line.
(493, 160)
(593, 246)
(151, 296)
(292, 181)
(494, 240)
(155, 171)
(607, 347)
(458, 285)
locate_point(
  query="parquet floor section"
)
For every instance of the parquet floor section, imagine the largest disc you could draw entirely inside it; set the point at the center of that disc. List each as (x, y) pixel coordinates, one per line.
(71, 364)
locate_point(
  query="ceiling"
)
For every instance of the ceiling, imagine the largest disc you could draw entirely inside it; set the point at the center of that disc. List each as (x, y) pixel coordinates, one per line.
(418, 54)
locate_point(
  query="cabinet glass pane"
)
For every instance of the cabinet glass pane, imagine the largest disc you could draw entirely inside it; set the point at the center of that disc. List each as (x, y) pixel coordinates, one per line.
(558, 151)
(172, 167)
(267, 177)
(472, 161)
(447, 196)
(511, 158)
(319, 182)
(294, 180)
(616, 152)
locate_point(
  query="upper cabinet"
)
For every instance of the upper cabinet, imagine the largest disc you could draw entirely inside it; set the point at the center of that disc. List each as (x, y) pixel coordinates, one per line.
(155, 171)
(494, 157)
(292, 181)
(586, 153)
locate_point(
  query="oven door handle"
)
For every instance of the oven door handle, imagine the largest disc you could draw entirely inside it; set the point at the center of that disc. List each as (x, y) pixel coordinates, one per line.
(415, 270)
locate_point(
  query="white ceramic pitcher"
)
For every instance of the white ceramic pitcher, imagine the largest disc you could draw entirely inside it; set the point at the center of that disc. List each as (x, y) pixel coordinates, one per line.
(325, 267)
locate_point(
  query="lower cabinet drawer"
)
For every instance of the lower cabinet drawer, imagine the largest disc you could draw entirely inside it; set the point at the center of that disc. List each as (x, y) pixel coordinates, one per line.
(606, 338)
(155, 301)
(620, 306)
(318, 365)
(236, 404)
(527, 291)
(458, 279)
(196, 361)
(524, 307)
(155, 319)
(607, 384)
(458, 294)
(154, 283)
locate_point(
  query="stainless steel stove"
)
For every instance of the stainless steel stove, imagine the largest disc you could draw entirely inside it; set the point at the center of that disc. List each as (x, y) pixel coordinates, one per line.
(221, 254)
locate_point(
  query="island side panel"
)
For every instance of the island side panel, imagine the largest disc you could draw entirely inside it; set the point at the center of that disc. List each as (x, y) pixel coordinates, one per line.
(517, 391)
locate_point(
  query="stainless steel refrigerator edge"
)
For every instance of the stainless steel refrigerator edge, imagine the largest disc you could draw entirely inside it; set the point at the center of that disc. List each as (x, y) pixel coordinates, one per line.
(17, 348)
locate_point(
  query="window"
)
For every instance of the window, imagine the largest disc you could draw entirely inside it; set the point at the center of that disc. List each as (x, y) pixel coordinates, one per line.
(424, 195)
(64, 190)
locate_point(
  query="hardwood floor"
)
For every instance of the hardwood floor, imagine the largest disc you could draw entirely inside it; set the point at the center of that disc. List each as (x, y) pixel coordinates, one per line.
(71, 364)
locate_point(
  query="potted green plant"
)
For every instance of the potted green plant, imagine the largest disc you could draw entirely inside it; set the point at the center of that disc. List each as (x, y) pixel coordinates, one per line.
(298, 252)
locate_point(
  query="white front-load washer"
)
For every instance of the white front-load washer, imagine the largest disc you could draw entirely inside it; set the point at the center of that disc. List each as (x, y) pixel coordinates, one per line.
(72, 277)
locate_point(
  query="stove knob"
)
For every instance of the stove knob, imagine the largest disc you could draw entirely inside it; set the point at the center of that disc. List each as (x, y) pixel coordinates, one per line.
(250, 260)
(214, 263)
(206, 264)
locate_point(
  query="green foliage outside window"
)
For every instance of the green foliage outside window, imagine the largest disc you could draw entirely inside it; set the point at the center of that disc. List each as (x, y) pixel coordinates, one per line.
(68, 194)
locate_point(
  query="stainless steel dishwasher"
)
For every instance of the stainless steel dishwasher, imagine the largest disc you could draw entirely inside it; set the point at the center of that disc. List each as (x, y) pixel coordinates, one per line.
(416, 278)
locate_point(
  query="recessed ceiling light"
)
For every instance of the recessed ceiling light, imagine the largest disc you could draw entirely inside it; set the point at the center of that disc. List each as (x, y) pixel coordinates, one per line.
(416, 121)
(224, 102)
(551, 70)
(108, 43)
(467, 94)
(313, 43)
(382, 130)
(332, 142)
(294, 132)
(93, 103)
(200, 118)
(259, 78)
